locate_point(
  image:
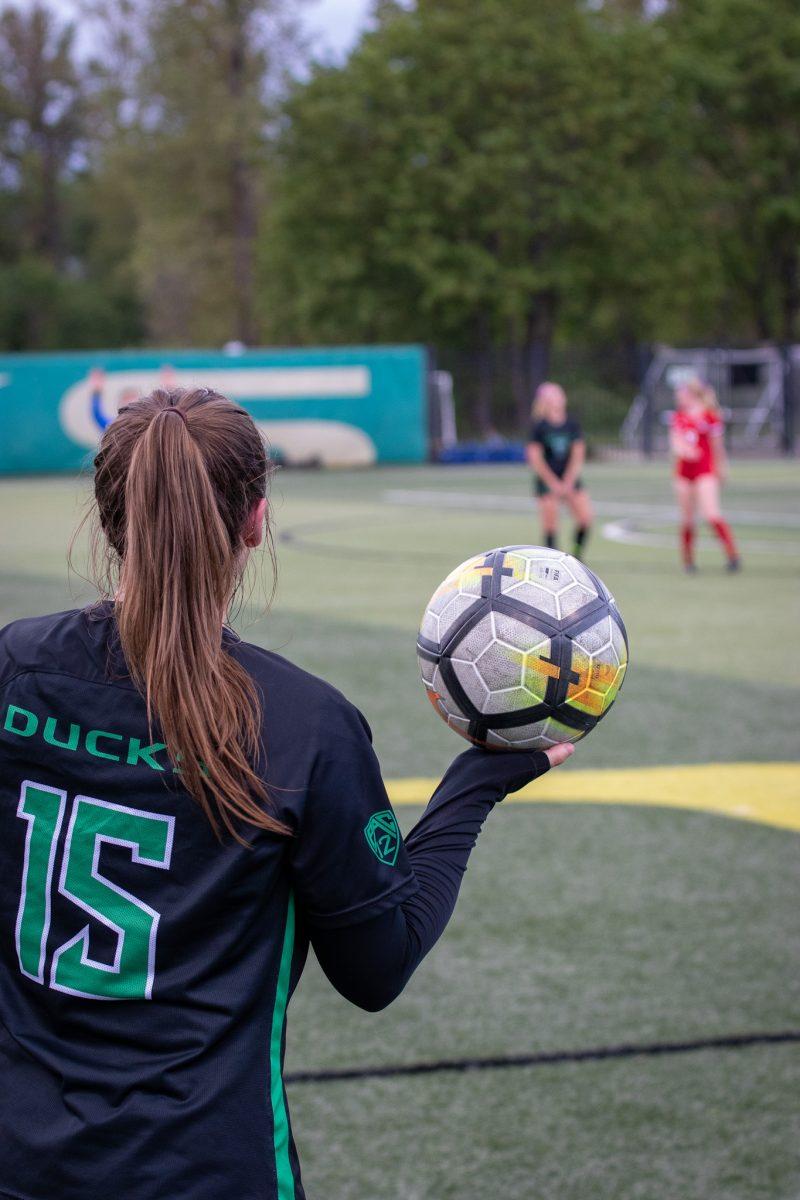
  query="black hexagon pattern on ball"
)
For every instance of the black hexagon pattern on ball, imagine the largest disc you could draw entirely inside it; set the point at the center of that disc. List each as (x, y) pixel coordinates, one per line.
(561, 633)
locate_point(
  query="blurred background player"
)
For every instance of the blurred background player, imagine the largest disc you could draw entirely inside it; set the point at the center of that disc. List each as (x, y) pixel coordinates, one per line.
(697, 442)
(97, 379)
(105, 408)
(556, 452)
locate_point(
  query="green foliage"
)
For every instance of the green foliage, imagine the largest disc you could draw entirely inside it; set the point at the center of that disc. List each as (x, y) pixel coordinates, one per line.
(446, 181)
(40, 112)
(56, 291)
(498, 169)
(43, 309)
(498, 178)
(486, 175)
(139, 176)
(496, 173)
(738, 65)
(188, 129)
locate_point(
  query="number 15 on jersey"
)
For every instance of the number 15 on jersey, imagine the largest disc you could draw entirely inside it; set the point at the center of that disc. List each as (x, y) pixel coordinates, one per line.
(91, 824)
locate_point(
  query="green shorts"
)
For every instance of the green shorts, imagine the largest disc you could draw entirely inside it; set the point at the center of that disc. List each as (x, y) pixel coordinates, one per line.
(541, 489)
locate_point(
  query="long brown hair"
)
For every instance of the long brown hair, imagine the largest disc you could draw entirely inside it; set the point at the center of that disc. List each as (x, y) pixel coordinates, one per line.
(176, 478)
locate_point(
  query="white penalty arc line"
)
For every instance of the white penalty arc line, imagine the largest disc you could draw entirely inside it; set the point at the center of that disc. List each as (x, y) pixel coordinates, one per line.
(628, 533)
(433, 498)
(625, 531)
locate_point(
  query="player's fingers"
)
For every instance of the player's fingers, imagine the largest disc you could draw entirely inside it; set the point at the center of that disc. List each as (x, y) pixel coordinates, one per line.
(560, 753)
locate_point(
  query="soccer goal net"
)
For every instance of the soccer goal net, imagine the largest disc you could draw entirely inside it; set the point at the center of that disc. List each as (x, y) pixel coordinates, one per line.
(752, 387)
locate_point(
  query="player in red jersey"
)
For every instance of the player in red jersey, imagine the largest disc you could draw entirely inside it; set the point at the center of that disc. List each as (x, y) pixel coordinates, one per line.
(696, 439)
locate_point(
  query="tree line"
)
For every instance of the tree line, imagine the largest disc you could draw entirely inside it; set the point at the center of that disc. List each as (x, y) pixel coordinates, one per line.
(485, 176)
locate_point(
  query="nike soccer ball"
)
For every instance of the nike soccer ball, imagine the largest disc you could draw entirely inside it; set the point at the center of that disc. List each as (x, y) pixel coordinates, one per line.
(521, 648)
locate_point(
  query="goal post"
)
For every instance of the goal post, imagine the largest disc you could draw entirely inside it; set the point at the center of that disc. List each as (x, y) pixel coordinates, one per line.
(757, 390)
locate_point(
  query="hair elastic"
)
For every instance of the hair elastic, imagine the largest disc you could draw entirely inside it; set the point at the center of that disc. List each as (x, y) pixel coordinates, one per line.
(178, 413)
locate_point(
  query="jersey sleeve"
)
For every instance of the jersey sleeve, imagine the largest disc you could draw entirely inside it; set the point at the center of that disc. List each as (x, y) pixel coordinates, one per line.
(536, 433)
(348, 860)
(714, 422)
(576, 431)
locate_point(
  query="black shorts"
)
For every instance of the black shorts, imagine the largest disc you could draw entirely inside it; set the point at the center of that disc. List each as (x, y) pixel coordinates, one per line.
(541, 489)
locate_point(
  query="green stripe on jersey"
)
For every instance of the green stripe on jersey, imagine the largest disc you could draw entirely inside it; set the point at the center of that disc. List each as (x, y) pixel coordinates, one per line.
(280, 1118)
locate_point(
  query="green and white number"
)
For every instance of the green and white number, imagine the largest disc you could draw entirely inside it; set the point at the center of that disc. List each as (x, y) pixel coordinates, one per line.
(43, 808)
(92, 824)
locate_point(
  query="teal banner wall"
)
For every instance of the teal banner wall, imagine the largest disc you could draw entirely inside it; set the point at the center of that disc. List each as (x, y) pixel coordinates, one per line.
(339, 407)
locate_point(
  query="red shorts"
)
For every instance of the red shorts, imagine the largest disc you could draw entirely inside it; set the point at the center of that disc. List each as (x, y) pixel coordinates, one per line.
(690, 469)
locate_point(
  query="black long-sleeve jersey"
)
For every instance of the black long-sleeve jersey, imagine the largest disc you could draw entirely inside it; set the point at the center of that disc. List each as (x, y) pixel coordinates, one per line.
(145, 966)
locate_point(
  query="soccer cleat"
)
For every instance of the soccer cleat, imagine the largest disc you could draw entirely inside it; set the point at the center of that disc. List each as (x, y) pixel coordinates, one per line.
(690, 568)
(733, 565)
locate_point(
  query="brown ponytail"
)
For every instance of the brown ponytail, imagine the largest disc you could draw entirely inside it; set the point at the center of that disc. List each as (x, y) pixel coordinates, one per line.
(176, 479)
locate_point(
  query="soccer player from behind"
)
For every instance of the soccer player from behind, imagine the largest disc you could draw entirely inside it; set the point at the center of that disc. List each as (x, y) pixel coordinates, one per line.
(183, 814)
(698, 447)
(556, 453)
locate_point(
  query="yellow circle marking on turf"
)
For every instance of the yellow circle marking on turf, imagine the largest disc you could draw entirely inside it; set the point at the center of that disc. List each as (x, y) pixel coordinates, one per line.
(768, 793)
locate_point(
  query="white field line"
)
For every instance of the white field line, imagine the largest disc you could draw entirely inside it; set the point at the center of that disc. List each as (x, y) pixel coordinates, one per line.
(627, 533)
(473, 501)
(624, 531)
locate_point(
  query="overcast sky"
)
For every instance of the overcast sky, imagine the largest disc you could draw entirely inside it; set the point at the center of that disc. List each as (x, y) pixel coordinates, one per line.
(333, 25)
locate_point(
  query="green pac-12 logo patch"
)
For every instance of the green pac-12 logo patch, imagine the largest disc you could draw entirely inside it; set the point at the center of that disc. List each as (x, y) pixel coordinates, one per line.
(383, 837)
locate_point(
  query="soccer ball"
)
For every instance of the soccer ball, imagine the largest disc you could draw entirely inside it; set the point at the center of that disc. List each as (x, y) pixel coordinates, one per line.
(521, 648)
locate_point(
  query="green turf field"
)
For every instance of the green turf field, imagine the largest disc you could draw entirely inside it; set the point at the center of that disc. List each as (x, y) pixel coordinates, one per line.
(579, 926)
